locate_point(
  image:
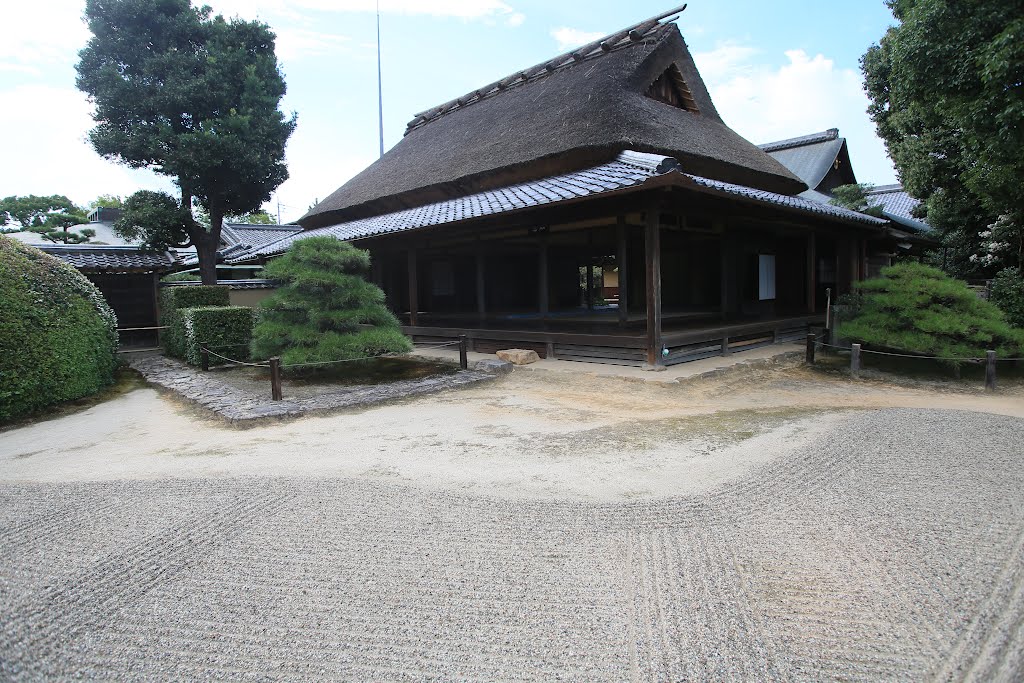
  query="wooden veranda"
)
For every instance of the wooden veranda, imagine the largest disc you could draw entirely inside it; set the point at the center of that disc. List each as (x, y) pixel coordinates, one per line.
(697, 275)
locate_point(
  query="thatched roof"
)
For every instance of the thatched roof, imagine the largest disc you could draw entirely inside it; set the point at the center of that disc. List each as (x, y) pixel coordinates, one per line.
(575, 111)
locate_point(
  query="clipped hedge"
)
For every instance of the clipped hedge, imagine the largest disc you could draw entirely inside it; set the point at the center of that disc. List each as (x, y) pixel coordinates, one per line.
(173, 300)
(58, 336)
(224, 329)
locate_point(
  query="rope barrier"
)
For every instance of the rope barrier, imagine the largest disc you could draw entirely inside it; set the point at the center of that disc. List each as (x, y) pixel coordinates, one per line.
(903, 355)
(911, 355)
(315, 364)
(236, 362)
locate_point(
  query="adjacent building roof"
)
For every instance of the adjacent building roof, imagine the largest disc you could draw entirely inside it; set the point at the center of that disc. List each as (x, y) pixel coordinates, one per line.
(238, 239)
(112, 259)
(637, 89)
(821, 160)
(630, 170)
(897, 206)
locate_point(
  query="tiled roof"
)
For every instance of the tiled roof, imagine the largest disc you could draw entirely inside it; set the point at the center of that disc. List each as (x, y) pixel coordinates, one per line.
(799, 203)
(812, 139)
(104, 259)
(238, 239)
(809, 157)
(255, 235)
(897, 205)
(628, 170)
(233, 284)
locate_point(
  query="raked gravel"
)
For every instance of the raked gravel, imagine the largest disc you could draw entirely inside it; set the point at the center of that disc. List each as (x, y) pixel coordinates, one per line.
(886, 548)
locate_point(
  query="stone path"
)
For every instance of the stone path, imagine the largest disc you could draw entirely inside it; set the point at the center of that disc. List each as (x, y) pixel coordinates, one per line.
(891, 548)
(237, 406)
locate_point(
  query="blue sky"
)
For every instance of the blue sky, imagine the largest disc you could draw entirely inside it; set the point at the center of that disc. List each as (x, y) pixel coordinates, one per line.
(774, 69)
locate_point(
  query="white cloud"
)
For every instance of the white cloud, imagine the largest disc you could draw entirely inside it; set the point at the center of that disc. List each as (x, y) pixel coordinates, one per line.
(38, 33)
(46, 151)
(296, 43)
(568, 38)
(461, 9)
(806, 95)
(728, 60)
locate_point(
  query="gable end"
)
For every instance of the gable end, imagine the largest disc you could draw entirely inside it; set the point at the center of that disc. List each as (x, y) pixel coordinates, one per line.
(670, 88)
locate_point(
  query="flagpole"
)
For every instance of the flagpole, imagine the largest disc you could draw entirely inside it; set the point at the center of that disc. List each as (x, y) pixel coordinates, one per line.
(380, 87)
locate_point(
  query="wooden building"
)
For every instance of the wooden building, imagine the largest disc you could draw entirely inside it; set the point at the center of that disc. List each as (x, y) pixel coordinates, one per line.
(128, 278)
(493, 215)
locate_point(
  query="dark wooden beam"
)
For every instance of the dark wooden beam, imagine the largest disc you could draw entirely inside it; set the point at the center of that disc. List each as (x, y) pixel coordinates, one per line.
(652, 252)
(622, 259)
(542, 276)
(481, 294)
(728, 272)
(414, 303)
(812, 272)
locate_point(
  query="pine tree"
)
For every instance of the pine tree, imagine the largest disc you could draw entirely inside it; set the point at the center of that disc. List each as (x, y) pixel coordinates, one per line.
(325, 310)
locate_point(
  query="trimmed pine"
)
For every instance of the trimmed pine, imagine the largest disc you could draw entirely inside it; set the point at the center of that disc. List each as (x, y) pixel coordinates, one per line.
(324, 309)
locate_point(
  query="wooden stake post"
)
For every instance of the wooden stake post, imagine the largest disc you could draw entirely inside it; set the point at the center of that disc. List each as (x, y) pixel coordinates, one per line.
(990, 371)
(812, 341)
(275, 379)
(463, 348)
(855, 360)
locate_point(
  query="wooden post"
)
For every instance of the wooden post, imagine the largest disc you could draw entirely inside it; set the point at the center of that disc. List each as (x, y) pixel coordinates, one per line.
(414, 303)
(652, 252)
(622, 260)
(812, 275)
(377, 270)
(723, 276)
(812, 342)
(463, 348)
(990, 371)
(204, 359)
(590, 285)
(275, 378)
(542, 277)
(855, 360)
(481, 295)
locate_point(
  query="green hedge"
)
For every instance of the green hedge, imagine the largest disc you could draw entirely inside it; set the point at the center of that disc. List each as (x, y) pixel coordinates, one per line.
(58, 336)
(1008, 295)
(226, 330)
(173, 300)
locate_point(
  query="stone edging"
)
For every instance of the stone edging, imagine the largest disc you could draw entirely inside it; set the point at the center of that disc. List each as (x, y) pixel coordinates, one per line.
(237, 406)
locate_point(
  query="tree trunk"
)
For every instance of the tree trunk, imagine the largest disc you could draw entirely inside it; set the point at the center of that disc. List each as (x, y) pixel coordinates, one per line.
(207, 244)
(206, 249)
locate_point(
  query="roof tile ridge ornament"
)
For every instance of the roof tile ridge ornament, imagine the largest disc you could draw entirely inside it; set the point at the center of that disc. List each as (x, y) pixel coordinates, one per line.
(659, 163)
(810, 139)
(632, 35)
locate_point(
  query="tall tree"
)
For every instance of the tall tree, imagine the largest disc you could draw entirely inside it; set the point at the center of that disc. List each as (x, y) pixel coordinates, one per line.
(946, 94)
(52, 217)
(194, 97)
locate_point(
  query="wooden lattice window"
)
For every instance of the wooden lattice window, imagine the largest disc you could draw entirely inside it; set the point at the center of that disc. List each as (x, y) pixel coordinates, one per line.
(671, 89)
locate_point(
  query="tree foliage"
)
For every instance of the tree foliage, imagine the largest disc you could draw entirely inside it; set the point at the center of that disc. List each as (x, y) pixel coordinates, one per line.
(919, 309)
(192, 96)
(52, 217)
(107, 201)
(1008, 295)
(855, 198)
(253, 218)
(946, 94)
(319, 312)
